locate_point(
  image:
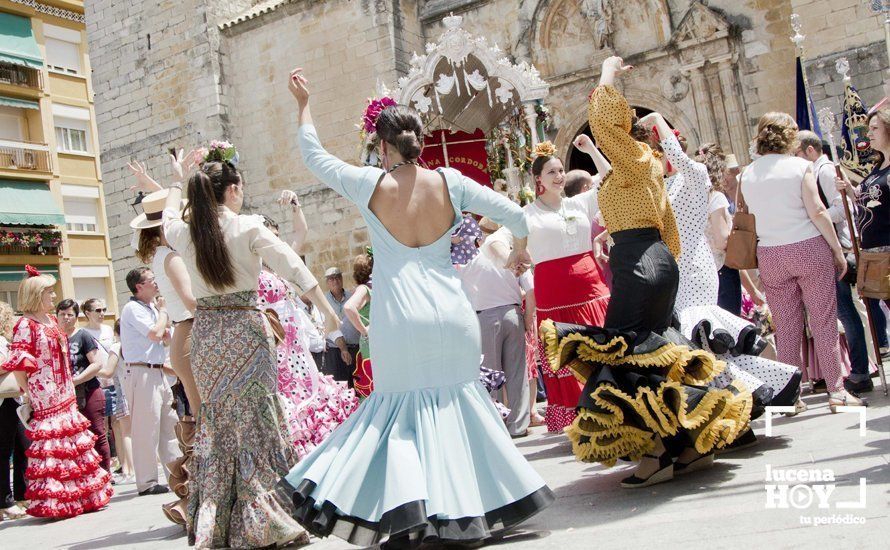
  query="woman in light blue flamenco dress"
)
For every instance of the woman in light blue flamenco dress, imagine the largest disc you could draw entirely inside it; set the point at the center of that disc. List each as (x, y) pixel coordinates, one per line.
(426, 458)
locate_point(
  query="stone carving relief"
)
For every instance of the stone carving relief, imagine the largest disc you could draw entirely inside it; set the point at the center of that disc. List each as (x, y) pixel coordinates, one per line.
(675, 87)
(599, 13)
(700, 24)
(641, 26)
(570, 33)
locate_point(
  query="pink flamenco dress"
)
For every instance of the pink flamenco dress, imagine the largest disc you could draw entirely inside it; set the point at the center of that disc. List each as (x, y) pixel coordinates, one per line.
(64, 477)
(315, 404)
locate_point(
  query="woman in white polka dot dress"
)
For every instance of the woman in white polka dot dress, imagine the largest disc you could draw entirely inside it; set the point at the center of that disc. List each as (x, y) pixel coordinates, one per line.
(731, 338)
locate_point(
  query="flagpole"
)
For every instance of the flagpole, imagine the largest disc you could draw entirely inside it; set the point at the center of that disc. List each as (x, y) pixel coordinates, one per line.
(798, 39)
(827, 122)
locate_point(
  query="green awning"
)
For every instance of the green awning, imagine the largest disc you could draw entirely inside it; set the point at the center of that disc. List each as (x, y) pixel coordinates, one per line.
(14, 274)
(28, 203)
(17, 43)
(20, 103)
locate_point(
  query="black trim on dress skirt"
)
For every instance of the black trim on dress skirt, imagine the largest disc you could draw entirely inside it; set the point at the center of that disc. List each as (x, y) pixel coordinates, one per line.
(408, 521)
(789, 394)
(720, 341)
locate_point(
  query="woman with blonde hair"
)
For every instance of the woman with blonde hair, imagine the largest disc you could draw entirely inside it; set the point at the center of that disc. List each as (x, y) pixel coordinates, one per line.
(798, 253)
(41, 363)
(13, 441)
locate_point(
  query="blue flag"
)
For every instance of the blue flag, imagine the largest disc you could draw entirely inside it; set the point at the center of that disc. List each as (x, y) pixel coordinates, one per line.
(806, 112)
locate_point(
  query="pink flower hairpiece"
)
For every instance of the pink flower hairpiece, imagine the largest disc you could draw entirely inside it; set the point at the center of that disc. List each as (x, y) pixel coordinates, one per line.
(32, 271)
(372, 112)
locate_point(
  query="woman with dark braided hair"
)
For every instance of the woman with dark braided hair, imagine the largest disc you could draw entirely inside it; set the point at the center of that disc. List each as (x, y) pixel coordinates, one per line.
(242, 446)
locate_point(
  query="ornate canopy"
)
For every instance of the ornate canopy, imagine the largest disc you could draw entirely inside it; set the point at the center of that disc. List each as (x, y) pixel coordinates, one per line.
(463, 83)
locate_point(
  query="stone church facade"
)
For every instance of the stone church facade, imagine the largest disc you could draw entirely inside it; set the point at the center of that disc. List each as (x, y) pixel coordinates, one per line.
(182, 73)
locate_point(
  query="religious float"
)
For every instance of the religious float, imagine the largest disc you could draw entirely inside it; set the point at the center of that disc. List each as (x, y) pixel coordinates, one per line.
(483, 113)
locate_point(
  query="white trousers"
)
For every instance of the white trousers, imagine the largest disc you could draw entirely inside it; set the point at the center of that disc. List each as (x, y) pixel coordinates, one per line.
(150, 398)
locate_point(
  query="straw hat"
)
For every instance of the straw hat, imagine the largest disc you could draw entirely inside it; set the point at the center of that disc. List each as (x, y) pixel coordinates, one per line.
(152, 207)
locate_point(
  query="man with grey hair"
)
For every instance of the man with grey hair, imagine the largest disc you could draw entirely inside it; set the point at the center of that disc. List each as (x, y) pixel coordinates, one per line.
(341, 345)
(813, 149)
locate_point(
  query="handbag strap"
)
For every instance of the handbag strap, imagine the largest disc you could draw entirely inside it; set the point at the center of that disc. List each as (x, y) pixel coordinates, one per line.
(740, 204)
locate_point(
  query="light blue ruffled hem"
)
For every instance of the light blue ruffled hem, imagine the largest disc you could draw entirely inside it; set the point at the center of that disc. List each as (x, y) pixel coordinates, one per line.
(446, 446)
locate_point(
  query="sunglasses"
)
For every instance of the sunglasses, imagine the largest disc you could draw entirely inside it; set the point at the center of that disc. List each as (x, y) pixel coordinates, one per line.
(100, 310)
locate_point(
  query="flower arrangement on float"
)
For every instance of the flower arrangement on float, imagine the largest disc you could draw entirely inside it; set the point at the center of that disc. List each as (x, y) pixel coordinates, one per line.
(509, 146)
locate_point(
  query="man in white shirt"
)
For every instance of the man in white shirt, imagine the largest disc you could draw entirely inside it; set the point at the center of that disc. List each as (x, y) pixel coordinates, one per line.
(144, 334)
(811, 148)
(341, 345)
(496, 295)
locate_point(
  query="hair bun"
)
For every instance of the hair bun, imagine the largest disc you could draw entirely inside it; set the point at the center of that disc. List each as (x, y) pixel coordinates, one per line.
(408, 144)
(776, 133)
(401, 127)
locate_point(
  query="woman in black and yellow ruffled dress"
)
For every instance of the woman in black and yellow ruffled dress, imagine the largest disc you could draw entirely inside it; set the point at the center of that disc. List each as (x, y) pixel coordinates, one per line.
(645, 397)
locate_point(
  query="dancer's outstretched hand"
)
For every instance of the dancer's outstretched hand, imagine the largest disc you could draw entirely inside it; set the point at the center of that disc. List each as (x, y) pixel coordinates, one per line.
(583, 143)
(144, 182)
(616, 64)
(299, 86)
(289, 197)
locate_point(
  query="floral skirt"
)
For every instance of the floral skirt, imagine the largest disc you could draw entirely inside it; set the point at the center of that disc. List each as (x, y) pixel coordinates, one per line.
(242, 443)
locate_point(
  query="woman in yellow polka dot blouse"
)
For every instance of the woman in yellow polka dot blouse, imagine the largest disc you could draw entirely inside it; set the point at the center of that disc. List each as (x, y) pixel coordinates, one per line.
(644, 397)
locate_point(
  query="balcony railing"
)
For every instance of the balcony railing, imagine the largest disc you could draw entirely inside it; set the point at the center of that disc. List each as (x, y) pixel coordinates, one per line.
(33, 241)
(18, 75)
(17, 155)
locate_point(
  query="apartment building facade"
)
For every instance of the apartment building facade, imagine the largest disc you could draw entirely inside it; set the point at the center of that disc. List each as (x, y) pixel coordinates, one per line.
(52, 205)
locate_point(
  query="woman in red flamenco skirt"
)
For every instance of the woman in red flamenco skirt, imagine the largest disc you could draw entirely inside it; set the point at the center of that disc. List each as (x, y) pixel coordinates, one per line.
(569, 286)
(64, 477)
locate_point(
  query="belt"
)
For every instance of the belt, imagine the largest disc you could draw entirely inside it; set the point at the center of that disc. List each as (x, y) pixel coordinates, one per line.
(640, 234)
(146, 365)
(478, 311)
(228, 308)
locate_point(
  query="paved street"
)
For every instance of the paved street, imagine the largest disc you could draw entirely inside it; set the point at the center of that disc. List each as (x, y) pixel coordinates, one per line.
(724, 507)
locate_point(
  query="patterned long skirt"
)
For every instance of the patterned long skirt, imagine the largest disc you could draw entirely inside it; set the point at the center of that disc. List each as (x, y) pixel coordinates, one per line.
(241, 446)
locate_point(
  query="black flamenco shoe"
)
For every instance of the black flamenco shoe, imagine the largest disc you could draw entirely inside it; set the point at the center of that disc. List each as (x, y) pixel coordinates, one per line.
(700, 463)
(664, 473)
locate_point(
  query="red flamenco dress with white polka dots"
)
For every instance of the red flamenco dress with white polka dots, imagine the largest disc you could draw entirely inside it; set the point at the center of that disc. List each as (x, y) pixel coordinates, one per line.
(64, 476)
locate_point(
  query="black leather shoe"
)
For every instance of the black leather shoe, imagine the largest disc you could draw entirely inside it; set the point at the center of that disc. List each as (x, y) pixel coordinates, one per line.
(859, 387)
(155, 490)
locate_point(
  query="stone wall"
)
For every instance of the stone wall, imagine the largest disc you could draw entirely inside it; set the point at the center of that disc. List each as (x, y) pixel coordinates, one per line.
(712, 74)
(345, 48)
(157, 83)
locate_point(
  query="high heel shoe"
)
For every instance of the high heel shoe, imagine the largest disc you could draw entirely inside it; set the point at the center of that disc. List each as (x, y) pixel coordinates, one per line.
(664, 473)
(843, 398)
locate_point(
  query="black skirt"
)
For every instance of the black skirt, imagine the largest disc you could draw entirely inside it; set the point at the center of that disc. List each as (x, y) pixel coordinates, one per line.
(645, 279)
(642, 378)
